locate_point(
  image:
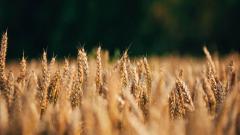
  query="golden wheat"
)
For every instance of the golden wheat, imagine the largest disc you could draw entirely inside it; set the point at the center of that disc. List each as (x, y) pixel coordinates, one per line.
(92, 95)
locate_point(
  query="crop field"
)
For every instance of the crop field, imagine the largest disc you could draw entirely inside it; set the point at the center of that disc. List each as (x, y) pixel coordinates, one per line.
(93, 95)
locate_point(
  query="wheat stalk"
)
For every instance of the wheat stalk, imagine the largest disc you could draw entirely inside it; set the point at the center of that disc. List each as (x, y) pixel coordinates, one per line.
(149, 79)
(231, 77)
(216, 85)
(44, 83)
(99, 71)
(209, 57)
(3, 54)
(83, 59)
(54, 87)
(10, 89)
(51, 66)
(23, 72)
(210, 95)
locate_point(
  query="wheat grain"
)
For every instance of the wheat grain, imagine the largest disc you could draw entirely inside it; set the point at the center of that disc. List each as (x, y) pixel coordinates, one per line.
(23, 71)
(44, 83)
(210, 95)
(99, 71)
(54, 87)
(3, 54)
(84, 61)
(148, 78)
(63, 99)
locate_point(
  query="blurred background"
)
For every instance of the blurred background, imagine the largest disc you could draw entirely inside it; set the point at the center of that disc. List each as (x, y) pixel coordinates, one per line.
(146, 27)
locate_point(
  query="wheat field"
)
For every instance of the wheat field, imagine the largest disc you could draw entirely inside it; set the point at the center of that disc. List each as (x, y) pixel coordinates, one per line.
(92, 95)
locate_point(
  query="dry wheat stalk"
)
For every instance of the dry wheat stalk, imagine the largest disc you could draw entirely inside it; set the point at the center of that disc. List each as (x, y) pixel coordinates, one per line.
(99, 71)
(44, 83)
(211, 102)
(180, 110)
(144, 103)
(231, 77)
(80, 67)
(66, 69)
(123, 70)
(124, 75)
(83, 59)
(77, 92)
(148, 79)
(3, 54)
(180, 99)
(184, 92)
(140, 70)
(10, 89)
(54, 88)
(172, 104)
(67, 79)
(134, 89)
(52, 66)
(23, 72)
(216, 85)
(209, 58)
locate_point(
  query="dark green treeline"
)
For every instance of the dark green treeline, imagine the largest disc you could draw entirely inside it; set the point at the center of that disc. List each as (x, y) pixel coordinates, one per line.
(145, 26)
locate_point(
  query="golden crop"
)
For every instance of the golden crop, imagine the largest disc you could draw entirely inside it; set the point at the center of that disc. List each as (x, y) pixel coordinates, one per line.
(145, 96)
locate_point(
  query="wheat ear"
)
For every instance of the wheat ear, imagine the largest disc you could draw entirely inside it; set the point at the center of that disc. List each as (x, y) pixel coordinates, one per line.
(3, 53)
(99, 71)
(45, 83)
